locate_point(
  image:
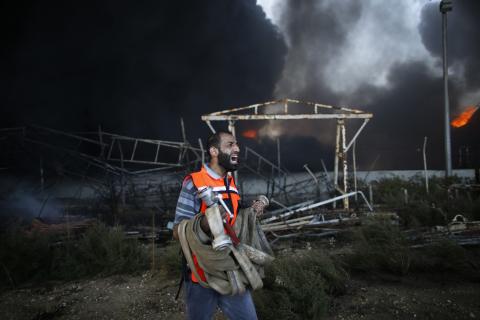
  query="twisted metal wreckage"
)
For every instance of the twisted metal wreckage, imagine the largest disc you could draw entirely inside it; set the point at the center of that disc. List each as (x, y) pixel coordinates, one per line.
(148, 172)
(304, 216)
(311, 218)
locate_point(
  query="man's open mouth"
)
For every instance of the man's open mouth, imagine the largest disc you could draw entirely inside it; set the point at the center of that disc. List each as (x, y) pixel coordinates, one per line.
(234, 158)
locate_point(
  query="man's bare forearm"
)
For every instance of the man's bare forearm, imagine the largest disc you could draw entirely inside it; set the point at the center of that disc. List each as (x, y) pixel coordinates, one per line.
(175, 232)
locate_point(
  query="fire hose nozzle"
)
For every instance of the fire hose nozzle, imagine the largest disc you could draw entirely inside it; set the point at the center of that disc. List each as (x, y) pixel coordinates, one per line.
(208, 196)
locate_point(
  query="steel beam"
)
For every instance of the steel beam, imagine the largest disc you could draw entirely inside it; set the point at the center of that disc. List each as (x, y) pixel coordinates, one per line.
(233, 117)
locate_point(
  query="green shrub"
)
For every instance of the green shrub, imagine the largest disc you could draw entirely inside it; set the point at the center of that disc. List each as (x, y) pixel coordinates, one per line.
(465, 205)
(102, 250)
(382, 247)
(299, 287)
(441, 257)
(36, 257)
(379, 247)
(23, 257)
(437, 207)
(420, 214)
(390, 191)
(171, 259)
(475, 210)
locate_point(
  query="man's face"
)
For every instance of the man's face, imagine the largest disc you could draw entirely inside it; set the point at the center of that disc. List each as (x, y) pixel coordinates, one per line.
(228, 155)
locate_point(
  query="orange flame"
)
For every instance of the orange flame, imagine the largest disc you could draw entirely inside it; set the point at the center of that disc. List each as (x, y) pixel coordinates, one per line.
(464, 117)
(250, 134)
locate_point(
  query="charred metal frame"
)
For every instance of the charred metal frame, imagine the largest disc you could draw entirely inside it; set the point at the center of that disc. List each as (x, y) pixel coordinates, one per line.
(111, 164)
(340, 114)
(106, 150)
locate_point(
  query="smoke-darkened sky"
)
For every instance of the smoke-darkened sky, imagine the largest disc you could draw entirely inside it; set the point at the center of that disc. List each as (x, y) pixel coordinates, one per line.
(135, 68)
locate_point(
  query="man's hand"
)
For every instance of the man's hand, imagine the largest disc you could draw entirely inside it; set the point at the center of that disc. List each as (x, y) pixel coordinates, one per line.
(175, 232)
(257, 207)
(259, 204)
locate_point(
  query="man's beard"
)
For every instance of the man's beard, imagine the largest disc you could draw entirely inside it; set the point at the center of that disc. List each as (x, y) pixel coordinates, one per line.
(224, 161)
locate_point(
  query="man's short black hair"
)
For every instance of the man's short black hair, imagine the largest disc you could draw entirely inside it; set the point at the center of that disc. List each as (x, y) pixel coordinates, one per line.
(214, 139)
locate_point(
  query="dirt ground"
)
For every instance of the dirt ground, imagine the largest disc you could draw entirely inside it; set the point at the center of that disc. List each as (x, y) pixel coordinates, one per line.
(116, 297)
(152, 297)
(410, 298)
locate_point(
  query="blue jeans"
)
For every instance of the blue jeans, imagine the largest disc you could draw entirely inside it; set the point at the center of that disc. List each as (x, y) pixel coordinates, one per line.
(202, 303)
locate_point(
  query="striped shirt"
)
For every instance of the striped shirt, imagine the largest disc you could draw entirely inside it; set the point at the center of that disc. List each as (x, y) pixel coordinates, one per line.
(188, 204)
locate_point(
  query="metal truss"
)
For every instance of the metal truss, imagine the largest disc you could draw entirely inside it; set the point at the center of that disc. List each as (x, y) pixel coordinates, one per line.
(290, 109)
(113, 152)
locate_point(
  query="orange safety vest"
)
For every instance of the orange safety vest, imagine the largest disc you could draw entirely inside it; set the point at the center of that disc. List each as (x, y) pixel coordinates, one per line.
(201, 180)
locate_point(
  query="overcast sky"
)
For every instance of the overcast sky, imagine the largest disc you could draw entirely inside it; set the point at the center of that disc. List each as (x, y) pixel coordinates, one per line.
(136, 68)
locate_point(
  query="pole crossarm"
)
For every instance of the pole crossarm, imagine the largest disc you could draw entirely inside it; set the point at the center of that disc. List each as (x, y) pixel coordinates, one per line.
(284, 117)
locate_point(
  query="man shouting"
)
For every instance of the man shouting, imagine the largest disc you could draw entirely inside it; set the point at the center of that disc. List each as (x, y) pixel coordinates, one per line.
(224, 153)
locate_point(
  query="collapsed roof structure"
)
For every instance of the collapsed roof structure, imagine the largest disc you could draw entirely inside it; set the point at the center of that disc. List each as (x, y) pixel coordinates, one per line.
(114, 166)
(290, 109)
(148, 172)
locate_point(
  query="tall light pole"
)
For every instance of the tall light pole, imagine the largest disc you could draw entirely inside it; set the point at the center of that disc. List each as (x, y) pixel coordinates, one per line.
(446, 6)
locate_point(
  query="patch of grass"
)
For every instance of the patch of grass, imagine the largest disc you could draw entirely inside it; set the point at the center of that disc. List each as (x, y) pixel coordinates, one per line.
(101, 250)
(475, 209)
(23, 257)
(390, 191)
(383, 248)
(171, 259)
(38, 257)
(444, 257)
(420, 214)
(300, 287)
(421, 209)
(466, 205)
(380, 247)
